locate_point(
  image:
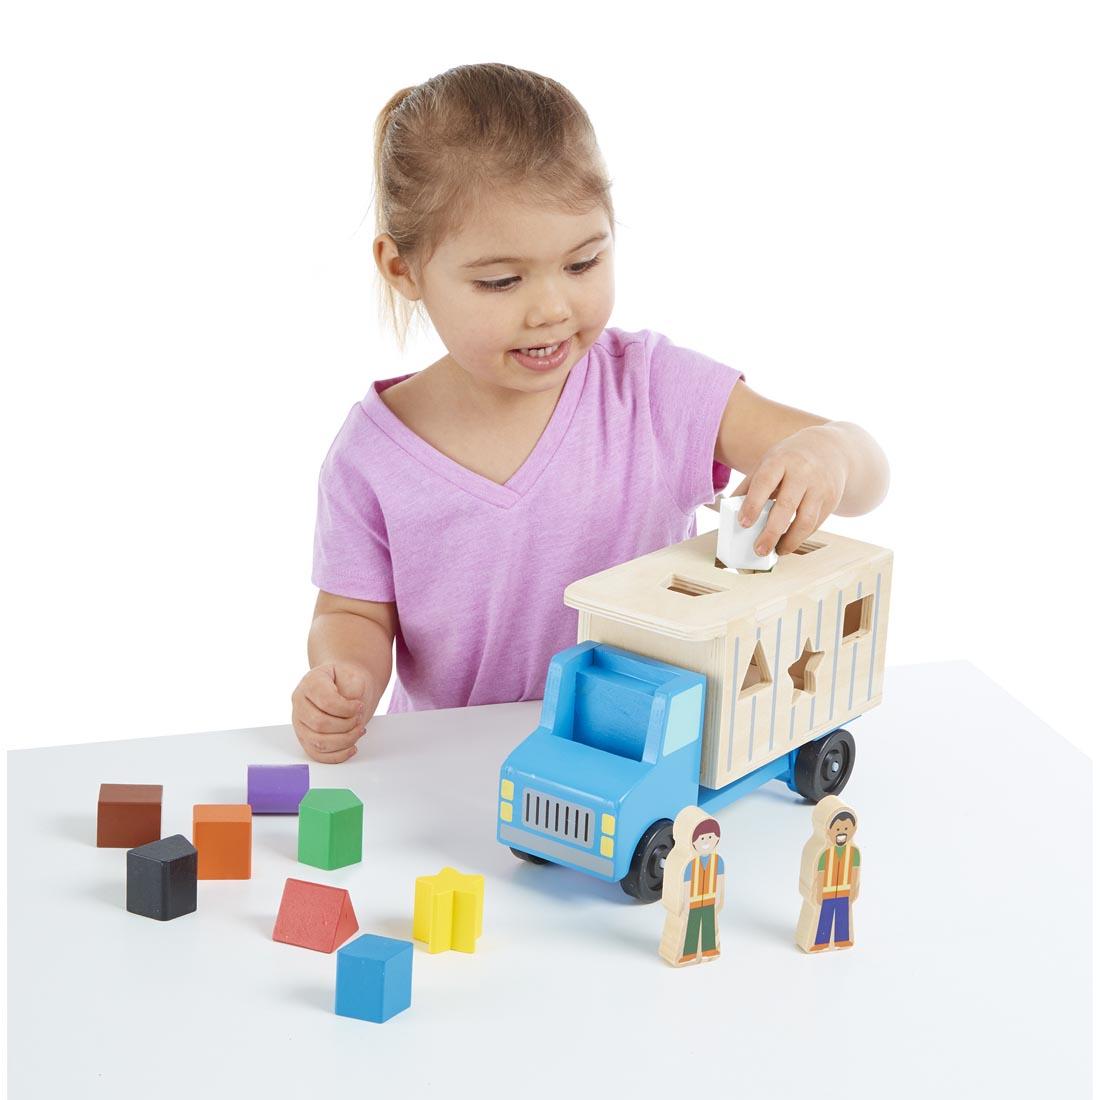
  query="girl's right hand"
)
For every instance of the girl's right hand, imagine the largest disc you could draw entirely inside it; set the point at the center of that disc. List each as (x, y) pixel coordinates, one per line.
(327, 711)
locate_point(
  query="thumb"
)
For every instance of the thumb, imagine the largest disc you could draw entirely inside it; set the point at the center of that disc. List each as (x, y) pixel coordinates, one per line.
(351, 682)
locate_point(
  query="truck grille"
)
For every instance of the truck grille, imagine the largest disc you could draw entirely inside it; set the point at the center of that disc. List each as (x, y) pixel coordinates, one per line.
(558, 818)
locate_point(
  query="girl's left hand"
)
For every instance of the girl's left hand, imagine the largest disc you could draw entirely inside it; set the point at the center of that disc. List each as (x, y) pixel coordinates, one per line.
(806, 474)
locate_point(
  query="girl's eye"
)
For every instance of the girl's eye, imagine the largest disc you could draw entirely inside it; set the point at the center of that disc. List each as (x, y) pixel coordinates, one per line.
(504, 284)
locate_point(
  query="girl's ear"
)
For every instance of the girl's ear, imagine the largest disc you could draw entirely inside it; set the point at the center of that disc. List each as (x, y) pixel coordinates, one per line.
(393, 268)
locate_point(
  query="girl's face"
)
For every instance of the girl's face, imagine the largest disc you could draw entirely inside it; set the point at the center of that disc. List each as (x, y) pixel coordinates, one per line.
(515, 277)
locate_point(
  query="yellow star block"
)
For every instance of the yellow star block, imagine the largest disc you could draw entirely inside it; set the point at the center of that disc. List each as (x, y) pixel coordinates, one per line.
(447, 910)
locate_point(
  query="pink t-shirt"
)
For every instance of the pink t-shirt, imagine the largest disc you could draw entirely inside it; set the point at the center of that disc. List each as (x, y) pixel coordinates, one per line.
(477, 569)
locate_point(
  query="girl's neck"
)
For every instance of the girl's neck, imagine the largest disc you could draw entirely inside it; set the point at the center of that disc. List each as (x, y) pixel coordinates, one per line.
(484, 399)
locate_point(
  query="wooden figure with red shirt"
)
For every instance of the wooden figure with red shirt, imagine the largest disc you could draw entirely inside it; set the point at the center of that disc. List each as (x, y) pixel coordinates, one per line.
(829, 879)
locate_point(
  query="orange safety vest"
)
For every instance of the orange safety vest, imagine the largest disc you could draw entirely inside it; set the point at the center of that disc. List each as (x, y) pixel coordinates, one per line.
(704, 881)
(837, 882)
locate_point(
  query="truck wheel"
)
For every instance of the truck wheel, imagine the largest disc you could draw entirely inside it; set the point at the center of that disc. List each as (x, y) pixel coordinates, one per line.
(822, 767)
(527, 857)
(646, 876)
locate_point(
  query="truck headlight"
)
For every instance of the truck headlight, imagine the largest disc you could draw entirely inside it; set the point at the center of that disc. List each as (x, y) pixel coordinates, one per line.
(507, 789)
(607, 824)
(506, 811)
(607, 847)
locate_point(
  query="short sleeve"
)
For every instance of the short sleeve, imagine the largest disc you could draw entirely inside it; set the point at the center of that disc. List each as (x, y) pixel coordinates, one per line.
(821, 862)
(351, 555)
(855, 857)
(688, 392)
(687, 873)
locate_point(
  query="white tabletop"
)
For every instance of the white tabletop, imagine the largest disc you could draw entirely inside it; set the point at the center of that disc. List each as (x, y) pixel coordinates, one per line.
(970, 975)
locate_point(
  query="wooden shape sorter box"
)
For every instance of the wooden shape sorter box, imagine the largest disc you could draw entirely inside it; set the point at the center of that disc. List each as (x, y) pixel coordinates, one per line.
(787, 654)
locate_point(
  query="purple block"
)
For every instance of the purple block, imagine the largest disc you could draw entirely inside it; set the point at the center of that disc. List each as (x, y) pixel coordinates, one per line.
(277, 788)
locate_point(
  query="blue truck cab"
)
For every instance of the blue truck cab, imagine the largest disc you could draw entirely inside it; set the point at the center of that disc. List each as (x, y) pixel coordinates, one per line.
(616, 750)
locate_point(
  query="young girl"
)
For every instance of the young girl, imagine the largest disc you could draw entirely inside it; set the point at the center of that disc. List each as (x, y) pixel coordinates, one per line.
(457, 502)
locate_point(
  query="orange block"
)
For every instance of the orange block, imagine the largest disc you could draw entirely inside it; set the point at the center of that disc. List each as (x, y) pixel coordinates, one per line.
(223, 837)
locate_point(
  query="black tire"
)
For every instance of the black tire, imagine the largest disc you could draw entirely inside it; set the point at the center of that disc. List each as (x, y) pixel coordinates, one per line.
(646, 876)
(825, 766)
(527, 857)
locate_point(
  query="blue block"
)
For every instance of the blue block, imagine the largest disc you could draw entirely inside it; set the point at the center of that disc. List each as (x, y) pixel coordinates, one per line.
(374, 978)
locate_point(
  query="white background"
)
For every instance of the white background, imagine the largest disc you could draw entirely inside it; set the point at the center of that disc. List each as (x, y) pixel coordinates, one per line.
(883, 213)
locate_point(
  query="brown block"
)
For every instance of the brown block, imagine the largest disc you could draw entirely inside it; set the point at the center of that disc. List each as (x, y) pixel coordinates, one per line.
(223, 836)
(128, 814)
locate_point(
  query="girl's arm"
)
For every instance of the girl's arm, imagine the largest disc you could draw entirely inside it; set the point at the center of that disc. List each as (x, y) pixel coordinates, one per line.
(811, 466)
(350, 655)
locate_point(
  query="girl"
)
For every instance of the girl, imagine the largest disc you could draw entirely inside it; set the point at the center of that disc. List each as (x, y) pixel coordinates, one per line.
(457, 502)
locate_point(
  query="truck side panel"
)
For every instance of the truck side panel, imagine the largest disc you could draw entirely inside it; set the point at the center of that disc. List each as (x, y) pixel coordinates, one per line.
(812, 668)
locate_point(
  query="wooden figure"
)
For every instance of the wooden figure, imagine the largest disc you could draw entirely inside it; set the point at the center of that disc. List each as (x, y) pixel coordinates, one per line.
(829, 879)
(694, 890)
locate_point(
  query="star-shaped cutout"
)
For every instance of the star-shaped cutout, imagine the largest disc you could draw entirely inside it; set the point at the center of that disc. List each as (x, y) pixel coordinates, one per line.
(802, 671)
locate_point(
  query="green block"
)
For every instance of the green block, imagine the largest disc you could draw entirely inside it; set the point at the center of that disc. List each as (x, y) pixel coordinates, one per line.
(330, 828)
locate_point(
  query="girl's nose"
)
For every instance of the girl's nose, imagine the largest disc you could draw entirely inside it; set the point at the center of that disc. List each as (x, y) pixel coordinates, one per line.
(549, 305)
(549, 308)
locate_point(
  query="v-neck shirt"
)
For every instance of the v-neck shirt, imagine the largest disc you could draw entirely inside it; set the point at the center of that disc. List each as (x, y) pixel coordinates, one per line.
(477, 570)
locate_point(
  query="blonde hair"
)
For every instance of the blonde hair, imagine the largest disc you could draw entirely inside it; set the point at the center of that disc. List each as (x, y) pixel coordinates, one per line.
(440, 147)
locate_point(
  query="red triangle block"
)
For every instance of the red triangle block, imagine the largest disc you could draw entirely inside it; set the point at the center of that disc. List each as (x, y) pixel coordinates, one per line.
(314, 916)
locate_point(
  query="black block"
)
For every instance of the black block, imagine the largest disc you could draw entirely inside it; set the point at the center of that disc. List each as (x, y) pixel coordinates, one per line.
(162, 878)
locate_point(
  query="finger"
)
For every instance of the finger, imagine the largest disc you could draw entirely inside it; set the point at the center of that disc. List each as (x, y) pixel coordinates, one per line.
(321, 745)
(337, 757)
(331, 742)
(317, 721)
(322, 692)
(782, 512)
(762, 484)
(806, 522)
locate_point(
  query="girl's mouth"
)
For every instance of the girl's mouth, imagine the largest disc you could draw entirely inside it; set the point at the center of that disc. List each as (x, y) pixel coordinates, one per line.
(543, 359)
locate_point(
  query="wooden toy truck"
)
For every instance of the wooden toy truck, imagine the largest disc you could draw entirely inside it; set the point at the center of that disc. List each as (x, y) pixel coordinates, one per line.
(788, 657)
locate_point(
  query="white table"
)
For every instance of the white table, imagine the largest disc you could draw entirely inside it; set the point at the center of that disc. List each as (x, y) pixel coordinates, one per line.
(970, 975)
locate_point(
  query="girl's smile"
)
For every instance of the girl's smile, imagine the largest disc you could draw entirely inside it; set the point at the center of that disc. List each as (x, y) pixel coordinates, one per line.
(545, 360)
